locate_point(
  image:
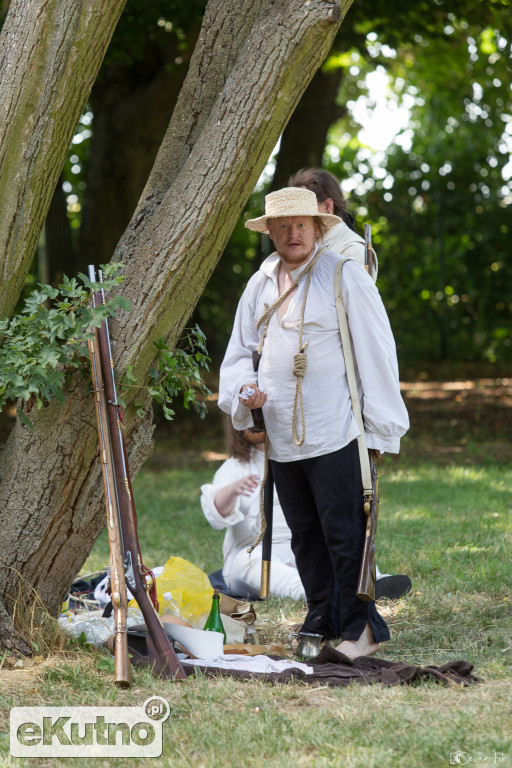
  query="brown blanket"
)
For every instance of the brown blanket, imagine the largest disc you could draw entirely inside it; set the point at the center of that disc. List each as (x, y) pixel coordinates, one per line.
(334, 668)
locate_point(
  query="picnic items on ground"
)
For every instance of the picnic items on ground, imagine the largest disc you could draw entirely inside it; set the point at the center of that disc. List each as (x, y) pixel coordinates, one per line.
(124, 546)
(308, 646)
(197, 643)
(214, 621)
(328, 668)
(190, 588)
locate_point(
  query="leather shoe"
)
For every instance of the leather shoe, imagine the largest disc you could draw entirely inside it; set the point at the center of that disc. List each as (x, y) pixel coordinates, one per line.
(392, 587)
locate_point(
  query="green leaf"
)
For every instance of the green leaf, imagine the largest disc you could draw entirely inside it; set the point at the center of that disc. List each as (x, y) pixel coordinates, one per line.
(41, 345)
(25, 419)
(106, 663)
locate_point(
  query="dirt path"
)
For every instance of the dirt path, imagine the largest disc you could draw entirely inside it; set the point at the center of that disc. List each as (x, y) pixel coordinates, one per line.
(469, 420)
(466, 420)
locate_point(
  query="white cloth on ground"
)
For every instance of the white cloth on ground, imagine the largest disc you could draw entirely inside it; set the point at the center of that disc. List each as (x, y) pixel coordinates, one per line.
(259, 664)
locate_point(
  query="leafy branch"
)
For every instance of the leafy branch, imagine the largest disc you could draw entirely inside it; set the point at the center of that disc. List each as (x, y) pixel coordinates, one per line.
(41, 346)
(175, 371)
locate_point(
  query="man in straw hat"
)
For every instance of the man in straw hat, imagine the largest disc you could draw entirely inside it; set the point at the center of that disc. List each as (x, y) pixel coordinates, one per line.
(287, 313)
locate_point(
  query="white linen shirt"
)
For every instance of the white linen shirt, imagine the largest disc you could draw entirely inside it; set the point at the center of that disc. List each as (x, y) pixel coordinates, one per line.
(344, 240)
(330, 424)
(243, 523)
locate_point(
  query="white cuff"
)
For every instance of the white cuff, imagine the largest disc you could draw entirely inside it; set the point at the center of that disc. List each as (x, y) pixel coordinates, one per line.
(382, 443)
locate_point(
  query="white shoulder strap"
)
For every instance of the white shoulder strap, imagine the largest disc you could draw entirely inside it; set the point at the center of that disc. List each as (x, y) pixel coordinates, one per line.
(351, 377)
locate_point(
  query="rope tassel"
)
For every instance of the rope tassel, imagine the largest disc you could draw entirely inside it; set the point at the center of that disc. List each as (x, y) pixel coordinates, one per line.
(299, 359)
(300, 363)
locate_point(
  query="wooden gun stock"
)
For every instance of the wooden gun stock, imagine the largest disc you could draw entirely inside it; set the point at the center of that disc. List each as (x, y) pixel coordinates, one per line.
(366, 583)
(268, 501)
(160, 649)
(266, 545)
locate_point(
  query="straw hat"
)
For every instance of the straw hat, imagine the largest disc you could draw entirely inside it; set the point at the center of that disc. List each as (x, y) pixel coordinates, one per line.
(290, 201)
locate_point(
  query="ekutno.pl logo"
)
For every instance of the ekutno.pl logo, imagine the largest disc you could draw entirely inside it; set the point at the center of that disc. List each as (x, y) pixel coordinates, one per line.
(89, 731)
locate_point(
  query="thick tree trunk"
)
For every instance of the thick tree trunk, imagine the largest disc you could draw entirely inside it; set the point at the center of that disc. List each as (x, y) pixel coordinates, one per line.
(216, 147)
(132, 108)
(304, 138)
(50, 54)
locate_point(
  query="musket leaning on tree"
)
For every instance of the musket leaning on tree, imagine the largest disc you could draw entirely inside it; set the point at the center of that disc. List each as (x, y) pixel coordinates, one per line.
(122, 668)
(137, 577)
(366, 582)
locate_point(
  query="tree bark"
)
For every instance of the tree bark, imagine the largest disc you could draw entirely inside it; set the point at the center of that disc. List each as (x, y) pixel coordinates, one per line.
(217, 144)
(50, 54)
(132, 107)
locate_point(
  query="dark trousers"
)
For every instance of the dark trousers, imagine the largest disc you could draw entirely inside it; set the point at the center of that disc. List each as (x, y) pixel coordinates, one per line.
(322, 501)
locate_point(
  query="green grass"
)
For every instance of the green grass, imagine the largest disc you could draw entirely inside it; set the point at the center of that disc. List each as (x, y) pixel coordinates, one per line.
(448, 527)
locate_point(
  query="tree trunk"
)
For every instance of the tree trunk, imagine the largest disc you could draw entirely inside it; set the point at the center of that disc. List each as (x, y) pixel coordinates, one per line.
(50, 54)
(132, 108)
(239, 93)
(304, 138)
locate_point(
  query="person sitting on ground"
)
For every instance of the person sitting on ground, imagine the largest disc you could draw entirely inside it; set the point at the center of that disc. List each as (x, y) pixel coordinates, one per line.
(232, 502)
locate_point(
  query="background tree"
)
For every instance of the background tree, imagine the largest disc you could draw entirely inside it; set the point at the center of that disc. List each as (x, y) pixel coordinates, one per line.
(145, 64)
(46, 59)
(442, 240)
(441, 197)
(243, 83)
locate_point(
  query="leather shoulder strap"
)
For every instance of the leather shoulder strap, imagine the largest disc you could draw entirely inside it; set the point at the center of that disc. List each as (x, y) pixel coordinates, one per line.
(351, 377)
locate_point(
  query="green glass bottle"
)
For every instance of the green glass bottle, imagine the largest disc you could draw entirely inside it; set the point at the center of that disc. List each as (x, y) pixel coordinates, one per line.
(214, 621)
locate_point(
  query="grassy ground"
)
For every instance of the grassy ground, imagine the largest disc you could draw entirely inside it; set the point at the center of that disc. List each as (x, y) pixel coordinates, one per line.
(445, 520)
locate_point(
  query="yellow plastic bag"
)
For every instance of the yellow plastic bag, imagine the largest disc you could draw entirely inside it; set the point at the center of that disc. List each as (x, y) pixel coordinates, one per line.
(190, 587)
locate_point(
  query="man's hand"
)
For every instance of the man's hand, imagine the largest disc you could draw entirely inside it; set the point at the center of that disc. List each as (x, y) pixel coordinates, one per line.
(374, 454)
(256, 400)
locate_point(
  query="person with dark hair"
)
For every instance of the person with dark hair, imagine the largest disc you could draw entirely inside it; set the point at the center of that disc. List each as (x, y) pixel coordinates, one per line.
(231, 502)
(343, 237)
(287, 314)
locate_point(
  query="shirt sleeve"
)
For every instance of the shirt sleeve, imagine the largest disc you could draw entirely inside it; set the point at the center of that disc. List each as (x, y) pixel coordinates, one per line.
(227, 473)
(384, 413)
(237, 367)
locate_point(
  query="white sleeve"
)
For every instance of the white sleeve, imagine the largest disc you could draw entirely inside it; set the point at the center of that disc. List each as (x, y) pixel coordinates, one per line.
(237, 367)
(384, 412)
(227, 473)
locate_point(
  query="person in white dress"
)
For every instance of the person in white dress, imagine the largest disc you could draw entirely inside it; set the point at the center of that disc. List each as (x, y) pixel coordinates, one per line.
(231, 503)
